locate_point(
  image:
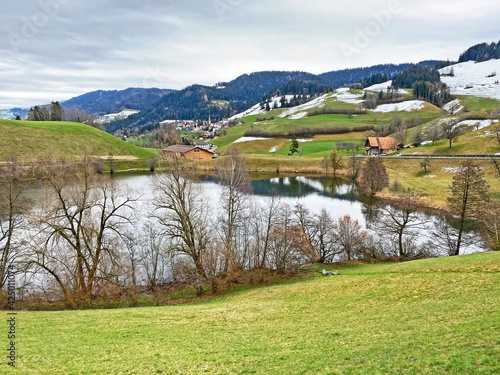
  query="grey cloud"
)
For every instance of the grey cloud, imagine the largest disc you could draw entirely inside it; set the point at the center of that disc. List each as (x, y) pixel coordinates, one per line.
(113, 44)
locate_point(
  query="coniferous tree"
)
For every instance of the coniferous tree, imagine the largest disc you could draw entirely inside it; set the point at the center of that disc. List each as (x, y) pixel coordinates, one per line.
(294, 147)
(56, 112)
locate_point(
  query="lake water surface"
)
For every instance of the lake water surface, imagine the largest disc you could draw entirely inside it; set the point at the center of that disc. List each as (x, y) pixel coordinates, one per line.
(335, 195)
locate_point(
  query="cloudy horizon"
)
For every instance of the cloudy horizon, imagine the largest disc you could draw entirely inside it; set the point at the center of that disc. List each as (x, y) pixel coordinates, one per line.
(58, 49)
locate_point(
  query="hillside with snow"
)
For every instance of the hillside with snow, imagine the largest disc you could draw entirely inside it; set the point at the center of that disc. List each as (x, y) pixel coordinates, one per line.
(258, 110)
(474, 79)
(383, 87)
(6, 114)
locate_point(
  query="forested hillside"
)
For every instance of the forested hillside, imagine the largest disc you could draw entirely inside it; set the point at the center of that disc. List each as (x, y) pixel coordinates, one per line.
(102, 102)
(481, 52)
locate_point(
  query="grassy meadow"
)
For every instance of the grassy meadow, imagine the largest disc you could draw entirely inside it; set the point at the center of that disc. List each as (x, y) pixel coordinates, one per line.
(31, 140)
(434, 316)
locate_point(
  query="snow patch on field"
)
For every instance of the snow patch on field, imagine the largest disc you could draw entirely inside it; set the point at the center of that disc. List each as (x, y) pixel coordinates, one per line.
(249, 139)
(304, 140)
(408, 106)
(478, 124)
(383, 87)
(345, 96)
(475, 79)
(255, 110)
(430, 176)
(258, 110)
(112, 116)
(318, 102)
(273, 149)
(453, 105)
(451, 169)
(298, 115)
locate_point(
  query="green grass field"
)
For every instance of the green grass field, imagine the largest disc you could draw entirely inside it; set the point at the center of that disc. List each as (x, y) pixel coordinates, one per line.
(435, 316)
(479, 104)
(30, 140)
(278, 124)
(480, 142)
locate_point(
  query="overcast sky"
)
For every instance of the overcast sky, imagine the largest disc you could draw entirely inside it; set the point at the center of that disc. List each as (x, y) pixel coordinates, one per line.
(57, 49)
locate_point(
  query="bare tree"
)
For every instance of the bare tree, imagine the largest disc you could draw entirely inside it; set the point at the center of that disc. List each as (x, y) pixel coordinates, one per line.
(454, 107)
(496, 133)
(154, 256)
(354, 166)
(12, 207)
(325, 163)
(496, 164)
(324, 240)
(374, 176)
(468, 195)
(490, 226)
(450, 130)
(434, 133)
(401, 134)
(287, 243)
(349, 236)
(236, 188)
(183, 213)
(401, 220)
(263, 220)
(445, 236)
(75, 115)
(80, 224)
(306, 221)
(425, 163)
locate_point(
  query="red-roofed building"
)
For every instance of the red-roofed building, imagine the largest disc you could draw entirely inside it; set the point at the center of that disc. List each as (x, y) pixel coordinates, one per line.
(380, 145)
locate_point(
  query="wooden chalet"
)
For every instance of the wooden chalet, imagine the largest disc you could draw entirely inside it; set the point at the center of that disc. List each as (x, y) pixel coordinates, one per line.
(188, 152)
(380, 145)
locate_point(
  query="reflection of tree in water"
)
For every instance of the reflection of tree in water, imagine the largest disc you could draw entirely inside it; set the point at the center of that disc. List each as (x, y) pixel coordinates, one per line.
(369, 212)
(297, 186)
(331, 185)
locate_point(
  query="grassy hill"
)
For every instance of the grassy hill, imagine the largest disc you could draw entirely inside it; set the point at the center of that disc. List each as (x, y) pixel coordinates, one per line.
(30, 140)
(272, 122)
(435, 316)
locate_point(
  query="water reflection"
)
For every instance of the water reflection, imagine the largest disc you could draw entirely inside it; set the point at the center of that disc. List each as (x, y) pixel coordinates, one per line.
(337, 196)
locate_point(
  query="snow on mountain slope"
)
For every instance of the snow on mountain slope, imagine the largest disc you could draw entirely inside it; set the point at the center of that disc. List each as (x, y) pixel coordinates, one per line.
(257, 110)
(345, 96)
(6, 114)
(383, 87)
(408, 106)
(113, 116)
(475, 79)
(318, 102)
(453, 106)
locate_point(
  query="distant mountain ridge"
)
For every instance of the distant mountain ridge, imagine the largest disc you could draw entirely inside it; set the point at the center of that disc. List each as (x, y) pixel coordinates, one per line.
(202, 102)
(220, 101)
(348, 76)
(103, 102)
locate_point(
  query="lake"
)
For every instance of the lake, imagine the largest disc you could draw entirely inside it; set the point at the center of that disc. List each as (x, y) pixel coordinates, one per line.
(335, 195)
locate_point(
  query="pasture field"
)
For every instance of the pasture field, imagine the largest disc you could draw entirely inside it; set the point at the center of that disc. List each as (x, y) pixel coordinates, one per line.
(434, 316)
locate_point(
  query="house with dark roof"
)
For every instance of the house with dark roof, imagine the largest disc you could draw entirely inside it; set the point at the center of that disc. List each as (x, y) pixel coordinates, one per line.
(188, 152)
(380, 145)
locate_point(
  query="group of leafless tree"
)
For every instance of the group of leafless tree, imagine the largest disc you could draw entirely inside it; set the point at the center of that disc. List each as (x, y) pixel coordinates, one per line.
(89, 237)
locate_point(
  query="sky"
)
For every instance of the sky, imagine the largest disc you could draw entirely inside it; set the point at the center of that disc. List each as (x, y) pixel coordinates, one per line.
(57, 49)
